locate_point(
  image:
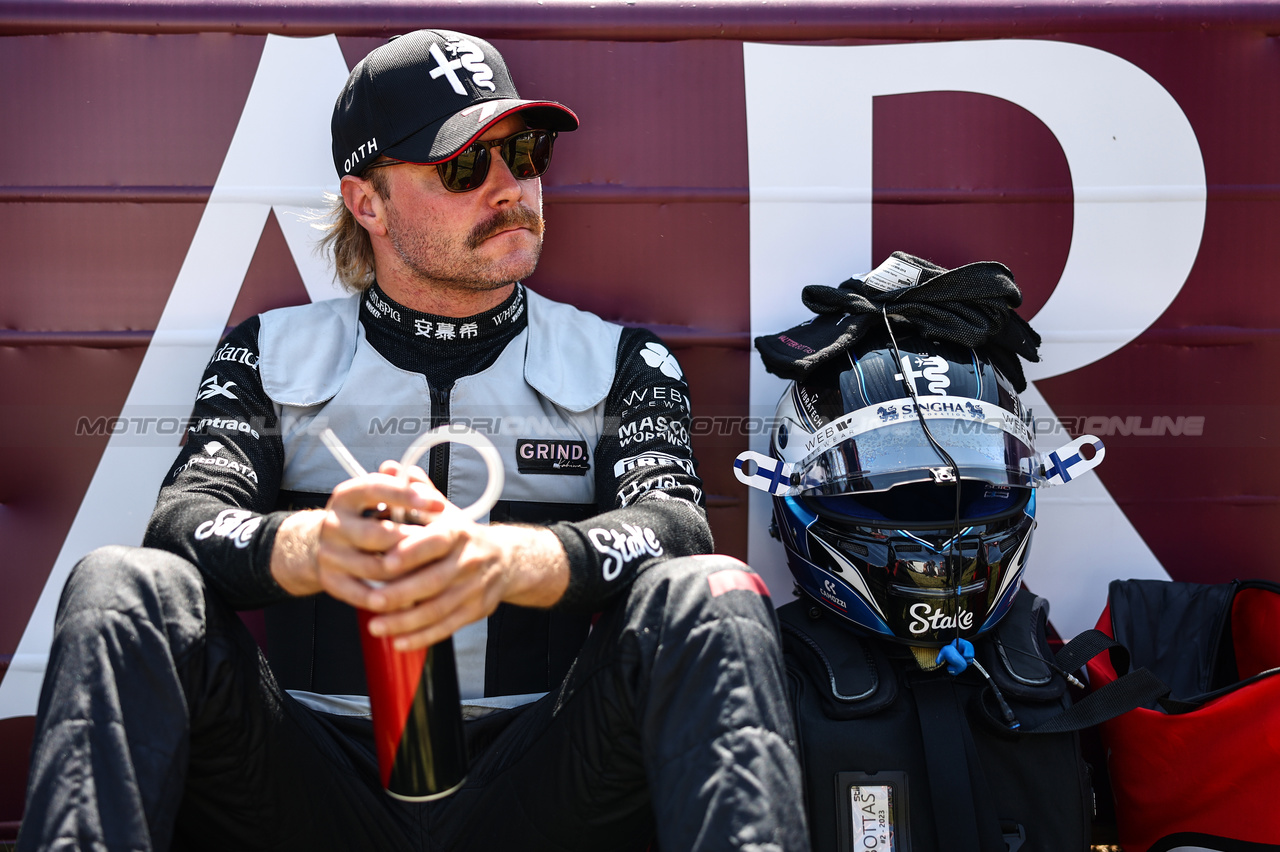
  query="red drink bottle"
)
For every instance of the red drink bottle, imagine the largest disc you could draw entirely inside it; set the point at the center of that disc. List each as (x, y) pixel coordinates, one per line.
(417, 716)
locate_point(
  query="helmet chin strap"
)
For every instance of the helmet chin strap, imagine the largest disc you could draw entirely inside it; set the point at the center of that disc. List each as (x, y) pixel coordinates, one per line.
(946, 458)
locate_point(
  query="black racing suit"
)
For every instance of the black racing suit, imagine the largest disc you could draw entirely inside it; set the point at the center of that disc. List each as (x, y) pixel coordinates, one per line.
(160, 724)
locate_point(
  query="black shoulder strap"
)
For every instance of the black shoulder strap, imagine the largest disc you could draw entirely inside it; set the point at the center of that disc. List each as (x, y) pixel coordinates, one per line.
(1017, 653)
(853, 676)
(963, 813)
(1137, 688)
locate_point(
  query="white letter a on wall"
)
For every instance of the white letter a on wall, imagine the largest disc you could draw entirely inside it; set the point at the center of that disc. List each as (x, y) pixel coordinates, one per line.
(279, 158)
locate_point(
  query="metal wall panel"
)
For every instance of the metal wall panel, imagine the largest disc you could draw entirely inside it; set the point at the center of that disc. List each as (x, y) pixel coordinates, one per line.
(118, 116)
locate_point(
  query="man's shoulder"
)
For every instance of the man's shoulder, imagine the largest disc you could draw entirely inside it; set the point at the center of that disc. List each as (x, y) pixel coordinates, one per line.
(564, 317)
(322, 311)
(572, 354)
(548, 310)
(305, 350)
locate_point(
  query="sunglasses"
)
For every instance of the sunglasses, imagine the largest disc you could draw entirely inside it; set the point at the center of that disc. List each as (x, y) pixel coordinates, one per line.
(527, 154)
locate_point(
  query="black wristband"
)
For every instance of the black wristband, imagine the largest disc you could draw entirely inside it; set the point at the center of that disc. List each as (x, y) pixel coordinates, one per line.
(587, 590)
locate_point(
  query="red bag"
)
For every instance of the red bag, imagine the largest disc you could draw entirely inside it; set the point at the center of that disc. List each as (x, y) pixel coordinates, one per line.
(1201, 770)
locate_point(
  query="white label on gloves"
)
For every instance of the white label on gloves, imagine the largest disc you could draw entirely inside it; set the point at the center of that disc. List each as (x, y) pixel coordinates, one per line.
(893, 274)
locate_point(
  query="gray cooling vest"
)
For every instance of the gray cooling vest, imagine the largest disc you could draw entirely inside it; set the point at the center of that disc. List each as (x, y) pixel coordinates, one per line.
(546, 389)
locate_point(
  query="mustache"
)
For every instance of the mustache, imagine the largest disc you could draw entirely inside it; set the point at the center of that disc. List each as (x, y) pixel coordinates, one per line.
(508, 217)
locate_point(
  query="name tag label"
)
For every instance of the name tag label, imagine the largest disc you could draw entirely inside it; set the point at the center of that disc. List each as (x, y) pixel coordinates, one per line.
(873, 811)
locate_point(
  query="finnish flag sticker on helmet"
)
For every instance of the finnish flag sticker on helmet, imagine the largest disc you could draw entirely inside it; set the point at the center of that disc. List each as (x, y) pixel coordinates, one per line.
(760, 471)
(1068, 462)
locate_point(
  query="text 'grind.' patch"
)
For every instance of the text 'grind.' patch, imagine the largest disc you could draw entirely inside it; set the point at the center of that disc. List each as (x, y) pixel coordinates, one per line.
(566, 458)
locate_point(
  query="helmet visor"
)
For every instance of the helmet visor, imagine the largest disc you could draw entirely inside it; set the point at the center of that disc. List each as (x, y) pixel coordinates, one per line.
(878, 447)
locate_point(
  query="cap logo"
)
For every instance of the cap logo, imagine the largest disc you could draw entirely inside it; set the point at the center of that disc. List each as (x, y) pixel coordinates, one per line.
(484, 110)
(471, 59)
(359, 154)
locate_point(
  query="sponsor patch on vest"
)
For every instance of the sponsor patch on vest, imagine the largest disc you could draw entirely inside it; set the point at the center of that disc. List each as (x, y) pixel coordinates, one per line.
(566, 458)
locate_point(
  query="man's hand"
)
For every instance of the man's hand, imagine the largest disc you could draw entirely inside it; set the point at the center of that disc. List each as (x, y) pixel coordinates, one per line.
(337, 549)
(457, 571)
(435, 578)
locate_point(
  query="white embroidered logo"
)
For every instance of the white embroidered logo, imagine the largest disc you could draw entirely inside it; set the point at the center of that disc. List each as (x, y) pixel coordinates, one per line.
(933, 370)
(657, 355)
(211, 388)
(468, 56)
(229, 424)
(445, 68)
(212, 459)
(482, 111)
(621, 547)
(237, 525)
(473, 60)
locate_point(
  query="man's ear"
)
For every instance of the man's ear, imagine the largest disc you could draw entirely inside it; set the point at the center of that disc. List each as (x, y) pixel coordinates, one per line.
(365, 204)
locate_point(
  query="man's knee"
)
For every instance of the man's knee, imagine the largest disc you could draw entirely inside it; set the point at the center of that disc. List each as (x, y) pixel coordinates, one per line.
(702, 605)
(715, 585)
(712, 642)
(131, 580)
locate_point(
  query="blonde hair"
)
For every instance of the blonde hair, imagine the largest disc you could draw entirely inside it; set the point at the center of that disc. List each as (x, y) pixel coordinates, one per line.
(347, 241)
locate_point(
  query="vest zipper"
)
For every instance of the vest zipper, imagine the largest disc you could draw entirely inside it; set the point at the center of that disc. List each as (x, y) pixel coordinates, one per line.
(438, 463)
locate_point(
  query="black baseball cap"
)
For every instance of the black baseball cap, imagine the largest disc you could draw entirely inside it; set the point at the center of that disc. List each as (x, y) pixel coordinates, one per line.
(424, 96)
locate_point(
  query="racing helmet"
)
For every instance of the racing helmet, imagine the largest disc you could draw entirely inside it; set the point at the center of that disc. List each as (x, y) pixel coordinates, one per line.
(908, 503)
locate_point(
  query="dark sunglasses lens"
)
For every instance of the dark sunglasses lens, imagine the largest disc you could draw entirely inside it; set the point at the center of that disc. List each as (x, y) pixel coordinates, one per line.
(466, 171)
(528, 154)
